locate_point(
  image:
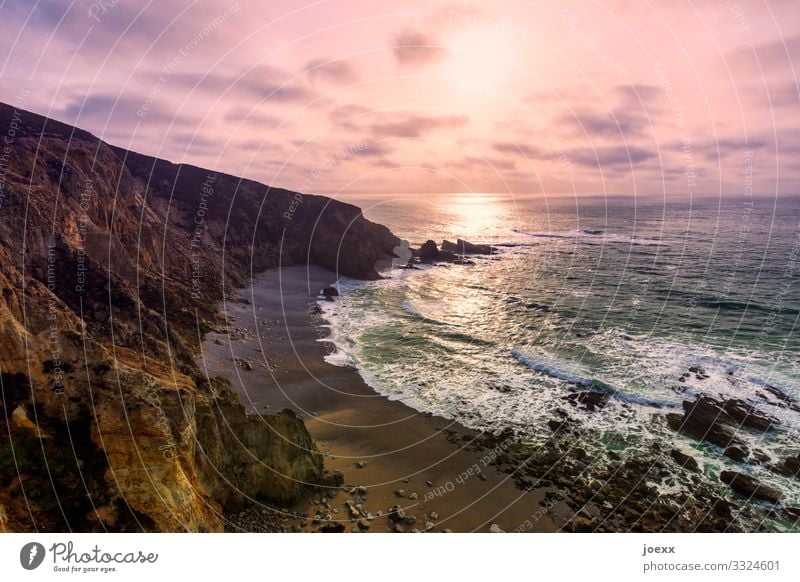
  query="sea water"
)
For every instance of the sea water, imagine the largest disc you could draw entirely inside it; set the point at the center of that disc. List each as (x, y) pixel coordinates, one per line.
(619, 295)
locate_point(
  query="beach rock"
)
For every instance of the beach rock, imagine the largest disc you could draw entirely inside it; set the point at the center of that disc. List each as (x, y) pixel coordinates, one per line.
(413, 496)
(333, 479)
(790, 466)
(463, 247)
(686, 461)
(784, 399)
(759, 457)
(559, 426)
(750, 487)
(704, 420)
(332, 527)
(589, 399)
(433, 516)
(494, 528)
(361, 464)
(243, 363)
(581, 524)
(748, 416)
(429, 251)
(330, 292)
(396, 513)
(736, 453)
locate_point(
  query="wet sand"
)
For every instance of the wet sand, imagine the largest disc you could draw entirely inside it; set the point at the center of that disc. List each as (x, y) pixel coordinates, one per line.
(376, 443)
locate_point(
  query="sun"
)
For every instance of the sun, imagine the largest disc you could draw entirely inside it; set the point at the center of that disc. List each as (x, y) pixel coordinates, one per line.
(480, 59)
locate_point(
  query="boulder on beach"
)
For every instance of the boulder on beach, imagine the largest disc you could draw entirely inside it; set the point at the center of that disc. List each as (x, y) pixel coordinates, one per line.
(330, 292)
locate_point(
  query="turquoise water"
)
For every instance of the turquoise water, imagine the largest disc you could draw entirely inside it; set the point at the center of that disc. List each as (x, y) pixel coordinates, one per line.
(616, 295)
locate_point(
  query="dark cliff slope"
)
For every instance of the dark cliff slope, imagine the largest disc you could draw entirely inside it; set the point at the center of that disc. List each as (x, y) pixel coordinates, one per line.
(111, 262)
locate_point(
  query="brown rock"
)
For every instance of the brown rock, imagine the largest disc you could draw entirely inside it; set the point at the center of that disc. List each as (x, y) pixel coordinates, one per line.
(750, 487)
(589, 399)
(686, 461)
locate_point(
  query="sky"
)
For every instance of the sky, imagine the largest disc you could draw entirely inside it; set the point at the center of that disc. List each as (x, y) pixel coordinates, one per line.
(679, 98)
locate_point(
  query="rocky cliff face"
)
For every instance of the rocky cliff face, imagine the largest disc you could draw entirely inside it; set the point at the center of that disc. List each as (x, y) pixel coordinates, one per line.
(111, 265)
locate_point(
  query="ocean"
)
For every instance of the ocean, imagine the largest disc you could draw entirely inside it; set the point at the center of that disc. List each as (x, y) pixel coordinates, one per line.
(618, 295)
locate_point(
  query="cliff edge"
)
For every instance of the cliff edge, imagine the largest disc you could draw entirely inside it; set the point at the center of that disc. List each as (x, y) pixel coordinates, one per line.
(111, 267)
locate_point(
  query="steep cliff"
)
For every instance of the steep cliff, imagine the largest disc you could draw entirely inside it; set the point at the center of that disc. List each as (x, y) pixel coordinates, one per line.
(111, 265)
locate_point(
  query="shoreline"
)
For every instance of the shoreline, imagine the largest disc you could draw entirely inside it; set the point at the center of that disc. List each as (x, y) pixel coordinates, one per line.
(273, 354)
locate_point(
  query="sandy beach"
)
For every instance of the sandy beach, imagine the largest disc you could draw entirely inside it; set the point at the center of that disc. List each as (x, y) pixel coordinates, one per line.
(381, 445)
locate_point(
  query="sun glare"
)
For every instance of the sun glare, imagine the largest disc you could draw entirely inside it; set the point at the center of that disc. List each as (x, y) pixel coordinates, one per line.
(480, 60)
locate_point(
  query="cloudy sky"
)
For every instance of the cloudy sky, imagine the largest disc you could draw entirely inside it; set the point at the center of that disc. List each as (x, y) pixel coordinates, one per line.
(345, 96)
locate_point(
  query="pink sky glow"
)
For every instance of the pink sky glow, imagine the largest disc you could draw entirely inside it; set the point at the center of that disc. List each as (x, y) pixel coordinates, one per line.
(618, 97)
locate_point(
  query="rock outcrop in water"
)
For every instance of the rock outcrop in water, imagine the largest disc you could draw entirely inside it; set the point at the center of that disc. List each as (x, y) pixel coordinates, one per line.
(430, 253)
(717, 422)
(111, 265)
(463, 247)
